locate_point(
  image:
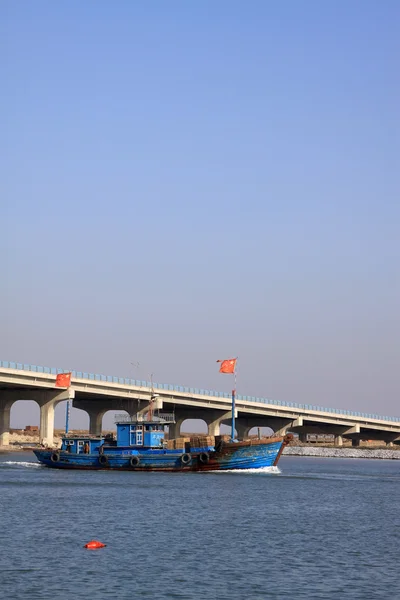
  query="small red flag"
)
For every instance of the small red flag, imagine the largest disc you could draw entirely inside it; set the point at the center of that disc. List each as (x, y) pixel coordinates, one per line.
(227, 366)
(63, 380)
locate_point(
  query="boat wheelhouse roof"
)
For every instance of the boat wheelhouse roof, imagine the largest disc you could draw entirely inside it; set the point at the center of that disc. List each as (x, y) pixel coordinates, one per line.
(156, 419)
(84, 436)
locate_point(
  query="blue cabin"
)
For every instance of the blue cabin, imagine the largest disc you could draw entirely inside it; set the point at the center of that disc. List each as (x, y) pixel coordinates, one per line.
(143, 432)
(148, 434)
(84, 444)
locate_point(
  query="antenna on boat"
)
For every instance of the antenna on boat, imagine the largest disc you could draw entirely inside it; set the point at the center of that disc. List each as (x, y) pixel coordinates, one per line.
(152, 398)
(136, 365)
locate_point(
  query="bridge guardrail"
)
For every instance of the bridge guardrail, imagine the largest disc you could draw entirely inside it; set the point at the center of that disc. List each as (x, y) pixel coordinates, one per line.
(189, 390)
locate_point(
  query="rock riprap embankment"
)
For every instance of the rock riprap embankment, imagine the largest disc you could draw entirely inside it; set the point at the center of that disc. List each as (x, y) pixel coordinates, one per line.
(381, 453)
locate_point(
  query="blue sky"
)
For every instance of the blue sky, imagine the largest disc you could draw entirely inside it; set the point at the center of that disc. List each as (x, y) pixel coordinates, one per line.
(187, 181)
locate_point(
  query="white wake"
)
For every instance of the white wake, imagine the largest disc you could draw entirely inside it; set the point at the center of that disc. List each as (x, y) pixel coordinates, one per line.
(17, 463)
(260, 471)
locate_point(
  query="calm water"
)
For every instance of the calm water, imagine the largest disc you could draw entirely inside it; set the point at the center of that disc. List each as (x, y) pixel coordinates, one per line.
(322, 528)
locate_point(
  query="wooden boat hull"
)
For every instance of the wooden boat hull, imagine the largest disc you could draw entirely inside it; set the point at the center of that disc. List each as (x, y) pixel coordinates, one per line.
(251, 454)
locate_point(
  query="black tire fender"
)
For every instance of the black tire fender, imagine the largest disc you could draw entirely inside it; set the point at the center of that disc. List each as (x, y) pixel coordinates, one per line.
(186, 458)
(103, 460)
(204, 457)
(134, 461)
(55, 457)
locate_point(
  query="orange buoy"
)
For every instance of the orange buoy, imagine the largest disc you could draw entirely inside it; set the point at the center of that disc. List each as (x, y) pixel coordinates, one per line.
(94, 544)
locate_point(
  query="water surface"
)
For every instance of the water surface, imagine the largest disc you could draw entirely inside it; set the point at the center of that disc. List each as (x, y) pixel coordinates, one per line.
(321, 528)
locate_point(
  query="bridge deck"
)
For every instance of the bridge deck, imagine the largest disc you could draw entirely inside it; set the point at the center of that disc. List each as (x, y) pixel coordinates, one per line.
(111, 385)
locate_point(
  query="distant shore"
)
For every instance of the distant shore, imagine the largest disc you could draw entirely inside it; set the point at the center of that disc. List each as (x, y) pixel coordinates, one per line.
(334, 452)
(14, 448)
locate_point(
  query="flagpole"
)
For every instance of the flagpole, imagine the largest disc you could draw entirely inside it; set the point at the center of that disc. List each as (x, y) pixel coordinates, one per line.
(63, 379)
(233, 417)
(233, 407)
(68, 409)
(229, 366)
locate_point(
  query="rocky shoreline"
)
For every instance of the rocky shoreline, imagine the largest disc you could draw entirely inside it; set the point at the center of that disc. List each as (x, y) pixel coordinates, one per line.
(332, 452)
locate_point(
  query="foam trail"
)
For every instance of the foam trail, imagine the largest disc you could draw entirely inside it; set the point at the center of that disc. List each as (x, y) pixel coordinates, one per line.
(261, 471)
(17, 463)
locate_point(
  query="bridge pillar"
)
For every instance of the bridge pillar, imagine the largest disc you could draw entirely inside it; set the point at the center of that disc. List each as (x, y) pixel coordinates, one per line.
(96, 410)
(242, 430)
(303, 438)
(282, 426)
(244, 424)
(338, 441)
(5, 408)
(157, 404)
(214, 426)
(47, 402)
(355, 443)
(130, 406)
(391, 439)
(174, 429)
(96, 421)
(46, 432)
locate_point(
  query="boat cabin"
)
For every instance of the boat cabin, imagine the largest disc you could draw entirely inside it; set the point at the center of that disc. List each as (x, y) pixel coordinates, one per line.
(149, 434)
(81, 444)
(146, 432)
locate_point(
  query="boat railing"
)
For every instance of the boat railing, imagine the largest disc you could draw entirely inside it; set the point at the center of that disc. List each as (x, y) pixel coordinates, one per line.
(144, 418)
(82, 435)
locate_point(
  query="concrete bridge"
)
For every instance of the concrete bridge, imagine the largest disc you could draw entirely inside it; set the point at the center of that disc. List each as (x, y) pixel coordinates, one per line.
(97, 394)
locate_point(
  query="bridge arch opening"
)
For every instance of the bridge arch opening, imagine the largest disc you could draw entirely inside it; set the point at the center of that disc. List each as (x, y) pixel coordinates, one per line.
(226, 429)
(109, 417)
(24, 413)
(264, 431)
(193, 426)
(78, 419)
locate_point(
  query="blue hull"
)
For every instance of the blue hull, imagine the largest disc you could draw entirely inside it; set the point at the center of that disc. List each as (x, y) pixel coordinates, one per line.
(231, 456)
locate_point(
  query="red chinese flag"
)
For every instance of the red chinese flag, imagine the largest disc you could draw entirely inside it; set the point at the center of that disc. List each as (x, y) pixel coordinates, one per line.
(227, 366)
(63, 380)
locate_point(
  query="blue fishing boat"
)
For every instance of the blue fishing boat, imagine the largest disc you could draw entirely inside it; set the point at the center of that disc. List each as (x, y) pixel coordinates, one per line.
(140, 445)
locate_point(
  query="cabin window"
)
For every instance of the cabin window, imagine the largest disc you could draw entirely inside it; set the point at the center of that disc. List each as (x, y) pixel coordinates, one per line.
(80, 446)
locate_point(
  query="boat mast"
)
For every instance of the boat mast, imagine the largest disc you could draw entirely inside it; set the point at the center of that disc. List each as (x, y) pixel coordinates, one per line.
(233, 413)
(152, 398)
(67, 413)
